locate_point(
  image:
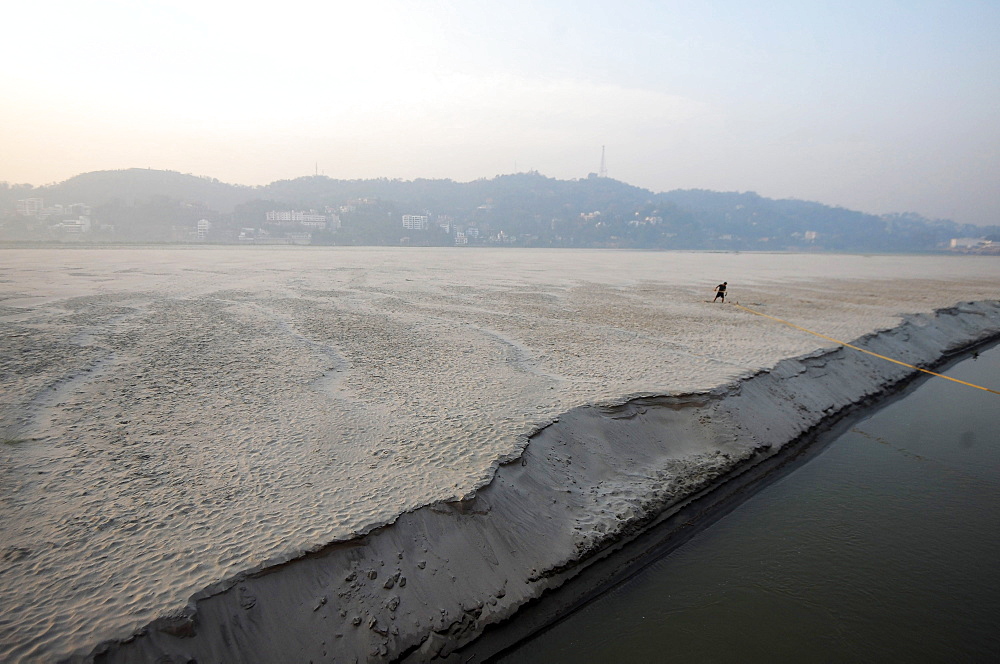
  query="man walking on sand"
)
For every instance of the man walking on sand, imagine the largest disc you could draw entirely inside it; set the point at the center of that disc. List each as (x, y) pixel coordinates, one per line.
(720, 291)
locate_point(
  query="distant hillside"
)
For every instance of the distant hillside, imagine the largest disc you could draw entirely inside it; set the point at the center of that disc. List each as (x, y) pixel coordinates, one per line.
(139, 184)
(524, 209)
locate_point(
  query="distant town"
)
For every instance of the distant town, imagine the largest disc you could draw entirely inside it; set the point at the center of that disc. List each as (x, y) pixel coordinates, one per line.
(528, 210)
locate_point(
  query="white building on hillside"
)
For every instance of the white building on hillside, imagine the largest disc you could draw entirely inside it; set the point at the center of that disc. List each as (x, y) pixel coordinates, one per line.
(30, 207)
(296, 217)
(76, 226)
(967, 242)
(415, 222)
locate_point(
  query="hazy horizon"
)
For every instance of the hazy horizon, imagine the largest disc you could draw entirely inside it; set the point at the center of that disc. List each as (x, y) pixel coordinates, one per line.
(870, 106)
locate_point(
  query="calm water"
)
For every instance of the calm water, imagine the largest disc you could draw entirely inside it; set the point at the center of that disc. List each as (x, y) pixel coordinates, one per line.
(885, 547)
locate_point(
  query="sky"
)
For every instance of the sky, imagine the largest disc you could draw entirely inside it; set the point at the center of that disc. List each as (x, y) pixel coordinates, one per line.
(873, 105)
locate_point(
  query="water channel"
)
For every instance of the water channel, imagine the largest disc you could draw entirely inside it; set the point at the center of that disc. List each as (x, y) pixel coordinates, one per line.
(883, 547)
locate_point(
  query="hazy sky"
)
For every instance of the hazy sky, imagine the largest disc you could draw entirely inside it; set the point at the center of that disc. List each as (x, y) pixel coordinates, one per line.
(873, 105)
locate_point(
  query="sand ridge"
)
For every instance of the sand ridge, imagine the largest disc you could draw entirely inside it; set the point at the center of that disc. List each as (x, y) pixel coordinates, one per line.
(171, 417)
(430, 585)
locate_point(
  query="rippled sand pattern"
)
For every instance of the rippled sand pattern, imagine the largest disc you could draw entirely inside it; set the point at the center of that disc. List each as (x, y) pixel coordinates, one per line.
(169, 417)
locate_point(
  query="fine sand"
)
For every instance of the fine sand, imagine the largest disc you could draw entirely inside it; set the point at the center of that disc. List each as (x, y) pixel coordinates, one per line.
(170, 418)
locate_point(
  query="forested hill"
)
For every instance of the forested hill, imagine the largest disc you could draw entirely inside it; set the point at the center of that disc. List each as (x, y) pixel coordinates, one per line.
(525, 209)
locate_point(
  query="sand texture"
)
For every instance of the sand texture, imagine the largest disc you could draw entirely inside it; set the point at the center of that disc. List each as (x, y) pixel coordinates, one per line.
(174, 418)
(426, 587)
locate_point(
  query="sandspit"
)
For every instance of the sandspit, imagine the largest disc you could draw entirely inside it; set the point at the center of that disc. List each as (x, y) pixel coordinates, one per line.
(288, 438)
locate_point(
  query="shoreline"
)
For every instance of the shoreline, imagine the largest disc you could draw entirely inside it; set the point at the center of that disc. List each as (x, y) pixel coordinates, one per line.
(463, 580)
(675, 530)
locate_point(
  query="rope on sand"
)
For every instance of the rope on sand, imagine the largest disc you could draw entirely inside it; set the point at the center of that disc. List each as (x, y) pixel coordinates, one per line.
(842, 343)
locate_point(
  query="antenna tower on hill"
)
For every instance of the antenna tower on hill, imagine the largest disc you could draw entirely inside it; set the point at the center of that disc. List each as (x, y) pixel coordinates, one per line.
(604, 169)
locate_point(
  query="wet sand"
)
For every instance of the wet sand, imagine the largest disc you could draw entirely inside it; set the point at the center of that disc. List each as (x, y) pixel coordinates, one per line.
(174, 417)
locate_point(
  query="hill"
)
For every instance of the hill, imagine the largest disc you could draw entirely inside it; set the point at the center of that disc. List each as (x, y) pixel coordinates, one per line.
(139, 184)
(524, 209)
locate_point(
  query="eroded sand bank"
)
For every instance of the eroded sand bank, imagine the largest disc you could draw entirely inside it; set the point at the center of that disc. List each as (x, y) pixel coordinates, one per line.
(173, 417)
(429, 585)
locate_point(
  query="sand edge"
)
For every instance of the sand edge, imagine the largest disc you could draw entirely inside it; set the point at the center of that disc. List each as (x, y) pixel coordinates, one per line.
(453, 580)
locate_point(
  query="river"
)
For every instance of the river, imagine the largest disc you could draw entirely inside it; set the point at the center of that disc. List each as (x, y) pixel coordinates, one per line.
(882, 547)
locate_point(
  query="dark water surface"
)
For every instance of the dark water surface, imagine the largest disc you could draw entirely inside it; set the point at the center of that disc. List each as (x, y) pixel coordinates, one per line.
(884, 547)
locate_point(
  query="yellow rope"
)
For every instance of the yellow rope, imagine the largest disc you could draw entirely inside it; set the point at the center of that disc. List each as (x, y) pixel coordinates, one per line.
(837, 341)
